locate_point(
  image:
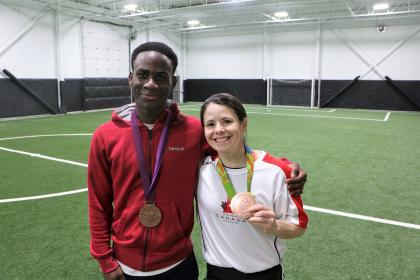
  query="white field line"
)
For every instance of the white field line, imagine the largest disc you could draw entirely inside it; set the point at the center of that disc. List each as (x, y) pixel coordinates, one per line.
(189, 105)
(316, 116)
(318, 110)
(25, 117)
(291, 107)
(46, 135)
(315, 209)
(90, 111)
(310, 116)
(387, 116)
(51, 115)
(43, 157)
(310, 208)
(362, 217)
(407, 112)
(277, 109)
(378, 111)
(41, 196)
(269, 108)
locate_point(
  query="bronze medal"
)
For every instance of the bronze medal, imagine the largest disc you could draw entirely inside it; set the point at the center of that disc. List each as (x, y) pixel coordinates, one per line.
(150, 216)
(241, 203)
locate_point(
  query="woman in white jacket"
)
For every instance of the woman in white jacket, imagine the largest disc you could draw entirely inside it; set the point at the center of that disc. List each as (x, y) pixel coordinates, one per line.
(244, 206)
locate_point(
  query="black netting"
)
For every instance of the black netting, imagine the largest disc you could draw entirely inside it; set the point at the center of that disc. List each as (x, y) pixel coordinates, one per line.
(291, 92)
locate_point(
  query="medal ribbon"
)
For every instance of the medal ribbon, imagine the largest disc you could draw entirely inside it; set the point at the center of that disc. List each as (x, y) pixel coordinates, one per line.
(224, 176)
(147, 186)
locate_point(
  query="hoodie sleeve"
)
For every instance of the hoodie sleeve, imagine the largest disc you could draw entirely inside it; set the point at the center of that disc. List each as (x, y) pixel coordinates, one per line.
(100, 203)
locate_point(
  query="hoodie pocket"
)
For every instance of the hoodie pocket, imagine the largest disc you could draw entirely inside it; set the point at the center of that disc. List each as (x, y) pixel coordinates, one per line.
(169, 232)
(128, 229)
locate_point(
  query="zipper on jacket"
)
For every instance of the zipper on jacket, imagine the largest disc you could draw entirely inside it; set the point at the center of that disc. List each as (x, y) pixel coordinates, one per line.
(150, 153)
(149, 157)
(146, 245)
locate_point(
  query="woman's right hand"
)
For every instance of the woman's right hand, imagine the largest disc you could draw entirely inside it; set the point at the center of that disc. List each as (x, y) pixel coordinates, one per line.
(263, 217)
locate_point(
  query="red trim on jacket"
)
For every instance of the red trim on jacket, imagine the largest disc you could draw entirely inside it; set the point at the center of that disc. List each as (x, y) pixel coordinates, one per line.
(284, 164)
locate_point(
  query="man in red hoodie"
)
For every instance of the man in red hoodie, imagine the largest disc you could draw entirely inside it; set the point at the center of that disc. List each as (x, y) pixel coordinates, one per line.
(142, 175)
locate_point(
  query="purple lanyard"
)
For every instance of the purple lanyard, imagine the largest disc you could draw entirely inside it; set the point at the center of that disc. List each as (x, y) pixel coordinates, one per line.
(147, 186)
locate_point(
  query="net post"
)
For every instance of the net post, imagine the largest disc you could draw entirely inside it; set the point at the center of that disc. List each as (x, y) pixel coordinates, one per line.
(312, 92)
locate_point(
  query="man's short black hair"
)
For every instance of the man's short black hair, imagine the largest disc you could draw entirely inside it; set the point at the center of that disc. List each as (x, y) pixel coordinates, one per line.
(158, 47)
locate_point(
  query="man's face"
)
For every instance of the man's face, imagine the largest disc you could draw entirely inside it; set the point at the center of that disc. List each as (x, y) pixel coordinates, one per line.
(152, 81)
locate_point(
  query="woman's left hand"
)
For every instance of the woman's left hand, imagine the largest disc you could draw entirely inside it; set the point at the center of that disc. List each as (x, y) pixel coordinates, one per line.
(263, 217)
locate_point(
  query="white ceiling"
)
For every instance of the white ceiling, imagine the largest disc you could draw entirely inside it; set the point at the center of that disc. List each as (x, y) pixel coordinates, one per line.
(173, 15)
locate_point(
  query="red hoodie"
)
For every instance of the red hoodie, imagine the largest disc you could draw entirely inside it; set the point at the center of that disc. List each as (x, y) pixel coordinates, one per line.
(116, 195)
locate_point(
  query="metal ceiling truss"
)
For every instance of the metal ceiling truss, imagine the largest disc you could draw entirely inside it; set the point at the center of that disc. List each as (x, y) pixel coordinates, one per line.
(172, 15)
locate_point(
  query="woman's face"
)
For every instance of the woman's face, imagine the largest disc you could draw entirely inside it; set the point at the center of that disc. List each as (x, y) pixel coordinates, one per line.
(222, 128)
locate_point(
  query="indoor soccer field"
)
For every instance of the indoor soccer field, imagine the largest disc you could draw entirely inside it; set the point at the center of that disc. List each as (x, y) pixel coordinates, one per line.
(362, 194)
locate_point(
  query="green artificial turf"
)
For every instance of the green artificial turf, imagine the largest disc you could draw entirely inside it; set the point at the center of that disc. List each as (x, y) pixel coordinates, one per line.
(357, 163)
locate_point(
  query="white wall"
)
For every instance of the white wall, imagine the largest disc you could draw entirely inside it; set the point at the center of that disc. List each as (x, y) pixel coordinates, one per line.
(173, 40)
(88, 49)
(290, 52)
(347, 51)
(224, 56)
(33, 56)
(71, 47)
(105, 50)
(101, 50)
(404, 63)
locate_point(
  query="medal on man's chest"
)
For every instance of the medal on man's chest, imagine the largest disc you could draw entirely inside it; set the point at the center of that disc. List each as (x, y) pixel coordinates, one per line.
(150, 216)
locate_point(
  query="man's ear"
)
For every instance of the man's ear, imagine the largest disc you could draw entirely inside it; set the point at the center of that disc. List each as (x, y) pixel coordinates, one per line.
(174, 81)
(130, 79)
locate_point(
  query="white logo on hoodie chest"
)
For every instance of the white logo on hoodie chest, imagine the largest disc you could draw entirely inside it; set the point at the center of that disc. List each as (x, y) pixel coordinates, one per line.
(176, 148)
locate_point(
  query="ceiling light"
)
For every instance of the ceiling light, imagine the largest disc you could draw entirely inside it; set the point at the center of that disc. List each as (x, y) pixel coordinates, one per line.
(137, 13)
(282, 14)
(381, 6)
(193, 22)
(131, 7)
(197, 27)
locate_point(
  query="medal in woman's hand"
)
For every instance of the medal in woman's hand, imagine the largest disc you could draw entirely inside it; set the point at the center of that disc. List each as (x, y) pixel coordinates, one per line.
(241, 203)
